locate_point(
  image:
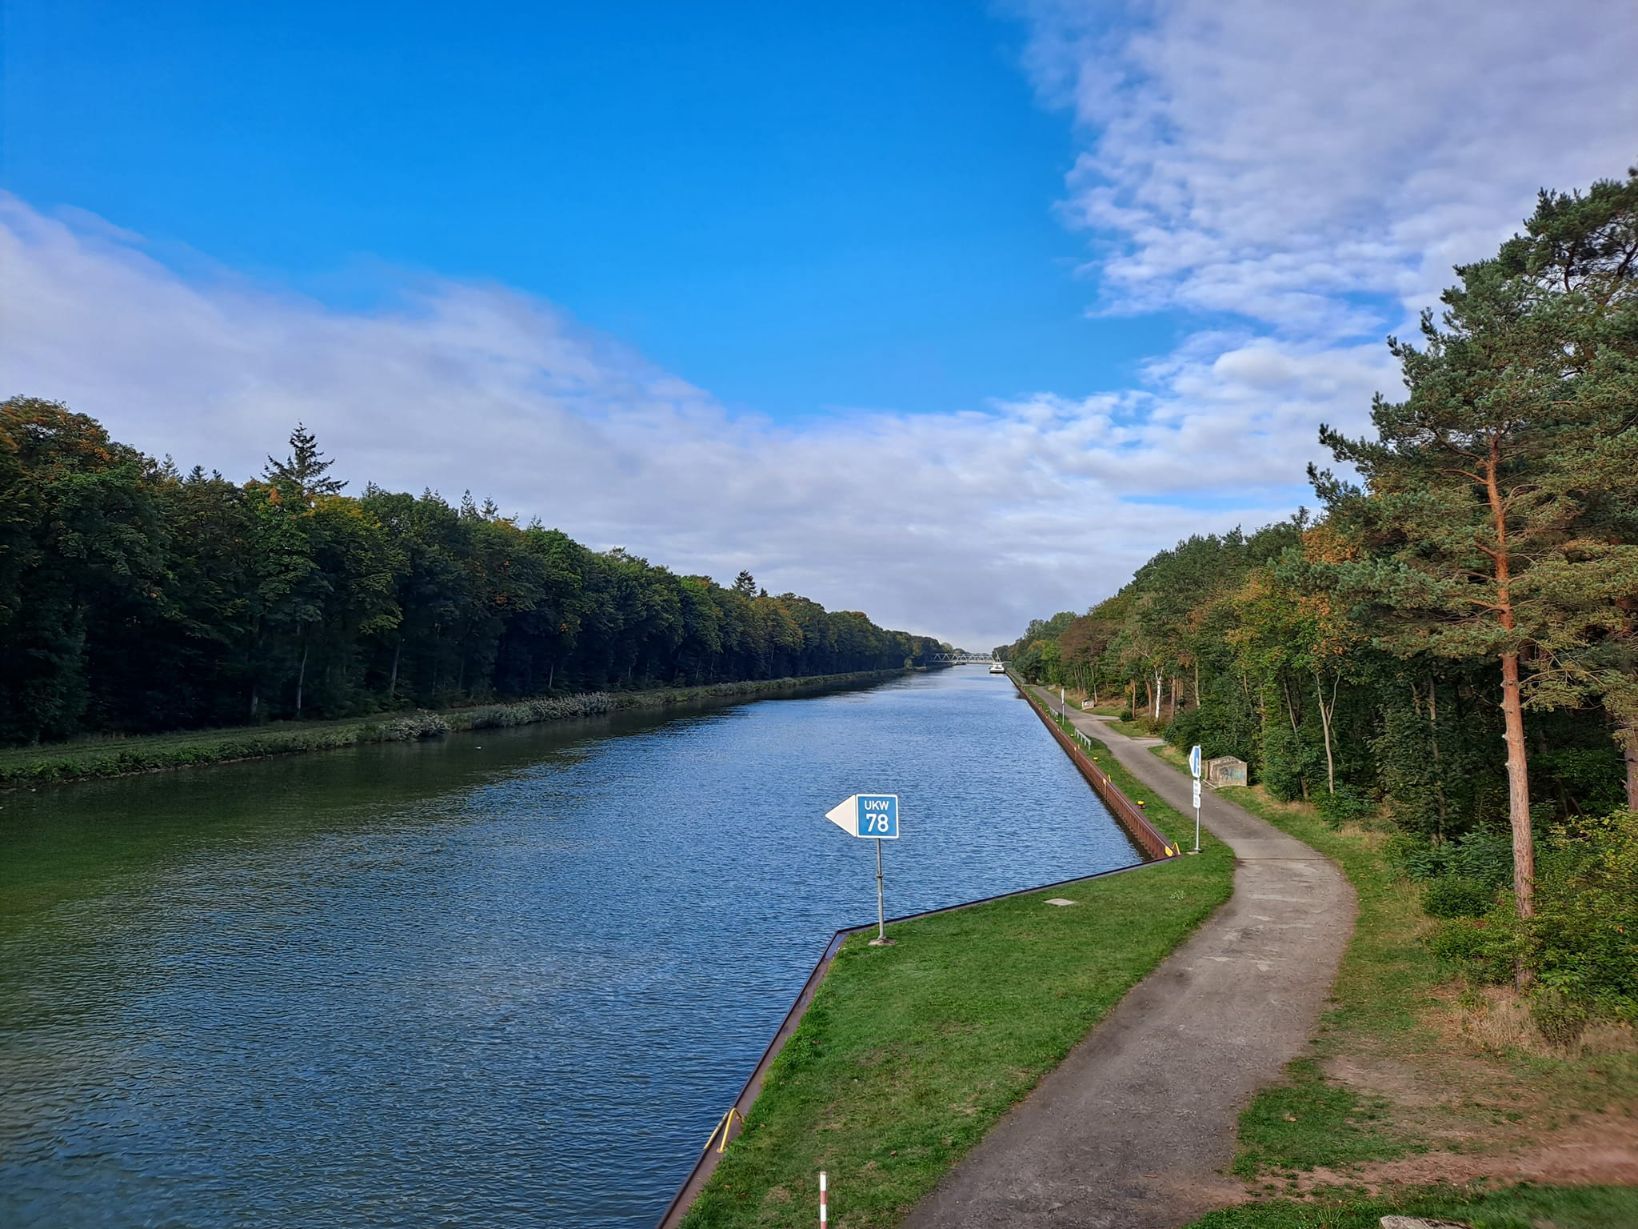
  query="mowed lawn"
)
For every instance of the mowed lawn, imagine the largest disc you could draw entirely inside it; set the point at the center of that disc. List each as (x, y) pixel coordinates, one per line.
(909, 1054)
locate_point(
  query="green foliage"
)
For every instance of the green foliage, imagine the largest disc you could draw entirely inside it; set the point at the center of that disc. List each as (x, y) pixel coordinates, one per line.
(407, 727)
(1347, 804)
(1558, 1017)
(1457, 896)
(1579, 940)
(150, 753)
(134, 598)
(1456, 639)
(1287, 763)
(1583, 940)
(1481, 856)
(1480, 949)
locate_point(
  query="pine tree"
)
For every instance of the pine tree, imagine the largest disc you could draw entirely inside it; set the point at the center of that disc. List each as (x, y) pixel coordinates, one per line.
(1484, 535)
(303, 471)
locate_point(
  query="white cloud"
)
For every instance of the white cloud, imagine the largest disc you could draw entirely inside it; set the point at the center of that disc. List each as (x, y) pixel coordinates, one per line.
(1307, 171)
(1278, 159)
(965, 525)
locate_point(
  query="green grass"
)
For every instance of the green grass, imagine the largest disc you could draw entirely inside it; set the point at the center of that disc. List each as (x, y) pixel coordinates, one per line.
(1438, 1090)
(1514, 1207)
(112, 756)
(909, 1054)
(1132, 729)
(1309, 1121)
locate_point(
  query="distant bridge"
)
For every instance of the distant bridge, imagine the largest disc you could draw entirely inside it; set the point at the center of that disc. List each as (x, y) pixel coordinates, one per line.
(961, 659)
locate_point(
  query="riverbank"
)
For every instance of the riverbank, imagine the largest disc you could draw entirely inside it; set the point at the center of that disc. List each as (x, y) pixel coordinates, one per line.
(117, 757)
(1415, 1080)
(908, 1055)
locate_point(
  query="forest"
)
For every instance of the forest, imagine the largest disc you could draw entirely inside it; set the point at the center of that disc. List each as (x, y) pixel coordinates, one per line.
(1449, 644)
(136, 598)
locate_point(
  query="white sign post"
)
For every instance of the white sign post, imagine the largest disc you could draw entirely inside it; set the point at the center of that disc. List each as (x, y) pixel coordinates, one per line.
(873, 817)
(1194, 771)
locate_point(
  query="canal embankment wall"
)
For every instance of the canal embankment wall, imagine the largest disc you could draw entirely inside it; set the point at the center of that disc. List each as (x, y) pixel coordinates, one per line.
(1145, 836)
(1079, 750)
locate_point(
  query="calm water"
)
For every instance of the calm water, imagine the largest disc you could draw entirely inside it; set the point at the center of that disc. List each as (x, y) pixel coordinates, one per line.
(511, 979)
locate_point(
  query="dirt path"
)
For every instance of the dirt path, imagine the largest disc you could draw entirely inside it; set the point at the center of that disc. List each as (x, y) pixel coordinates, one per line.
(1133, 1130)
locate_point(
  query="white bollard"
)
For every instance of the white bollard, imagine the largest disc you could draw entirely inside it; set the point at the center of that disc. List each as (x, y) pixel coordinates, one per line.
(821, 1199)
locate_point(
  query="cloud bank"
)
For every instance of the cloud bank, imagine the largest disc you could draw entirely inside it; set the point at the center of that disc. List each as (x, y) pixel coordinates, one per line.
(964, 525)
(1296, 179)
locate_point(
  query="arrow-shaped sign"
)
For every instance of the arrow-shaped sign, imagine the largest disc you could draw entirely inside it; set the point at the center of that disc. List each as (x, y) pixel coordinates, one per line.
(872, 816)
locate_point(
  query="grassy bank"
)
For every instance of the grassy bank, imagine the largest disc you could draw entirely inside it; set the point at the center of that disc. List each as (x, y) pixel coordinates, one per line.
(1415, 1078)
(112, 757)
(909, 1054)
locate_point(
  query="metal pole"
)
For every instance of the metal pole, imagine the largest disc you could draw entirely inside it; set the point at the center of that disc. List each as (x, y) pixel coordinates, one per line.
(1197, 822)
(881, 923)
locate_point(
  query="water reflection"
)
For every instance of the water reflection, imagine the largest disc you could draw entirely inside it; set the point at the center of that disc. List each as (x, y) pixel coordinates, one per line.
(508, 980)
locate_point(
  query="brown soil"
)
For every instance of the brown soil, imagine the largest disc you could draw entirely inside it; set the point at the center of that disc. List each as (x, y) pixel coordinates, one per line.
(1602, 1151)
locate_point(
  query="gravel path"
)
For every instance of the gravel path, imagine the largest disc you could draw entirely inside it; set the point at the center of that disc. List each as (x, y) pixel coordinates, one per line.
(1134, 1129)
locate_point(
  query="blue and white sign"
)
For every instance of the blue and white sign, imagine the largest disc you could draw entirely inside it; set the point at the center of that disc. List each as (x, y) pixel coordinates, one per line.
(1194, 763)
(875, 817)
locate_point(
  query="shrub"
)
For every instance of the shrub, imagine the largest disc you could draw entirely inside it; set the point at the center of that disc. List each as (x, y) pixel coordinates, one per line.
(1481, 855)
(1286, 763)
(1478, 948)
(1413, 857)
(1558, 1017)
(1347, 804)
(1457, 896)
(1584, 937)
(406, 728)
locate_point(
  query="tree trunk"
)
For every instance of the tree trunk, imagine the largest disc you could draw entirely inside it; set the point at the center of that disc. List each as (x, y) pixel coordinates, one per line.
(392, 684)
(1325, 726)
(551, 673)
(301, 677)
(1518, 768)
(1518, 790)
(1158, 692)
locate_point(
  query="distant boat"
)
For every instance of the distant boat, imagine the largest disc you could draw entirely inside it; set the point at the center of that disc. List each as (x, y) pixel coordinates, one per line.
(997, 667)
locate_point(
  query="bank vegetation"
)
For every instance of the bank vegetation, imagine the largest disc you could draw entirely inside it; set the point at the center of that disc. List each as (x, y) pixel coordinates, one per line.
(1449, 647)
(136, 598)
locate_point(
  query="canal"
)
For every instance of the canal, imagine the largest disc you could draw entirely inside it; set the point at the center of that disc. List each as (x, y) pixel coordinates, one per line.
(511, 979)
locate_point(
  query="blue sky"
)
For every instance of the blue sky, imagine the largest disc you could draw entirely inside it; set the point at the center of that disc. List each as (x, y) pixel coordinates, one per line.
(953, 313)
(800, 207)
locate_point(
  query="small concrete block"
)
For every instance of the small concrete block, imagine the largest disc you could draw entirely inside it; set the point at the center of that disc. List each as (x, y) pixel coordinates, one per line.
(1060, 901)
(1417, 1222)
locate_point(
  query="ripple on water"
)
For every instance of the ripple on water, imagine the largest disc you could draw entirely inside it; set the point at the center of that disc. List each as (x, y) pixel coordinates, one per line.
(504, 983)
